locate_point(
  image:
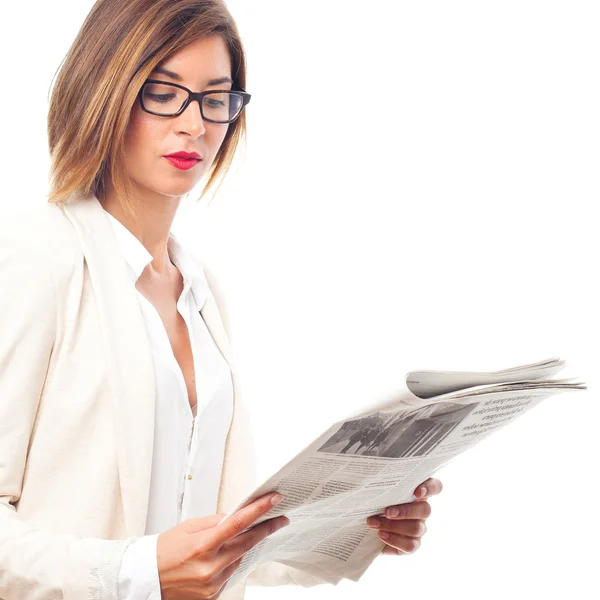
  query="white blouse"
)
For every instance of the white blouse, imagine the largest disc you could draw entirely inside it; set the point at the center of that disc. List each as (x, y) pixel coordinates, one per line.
(188, 450)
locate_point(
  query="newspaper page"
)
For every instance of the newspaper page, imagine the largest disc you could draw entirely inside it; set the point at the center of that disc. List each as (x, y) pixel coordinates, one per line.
(376, 458)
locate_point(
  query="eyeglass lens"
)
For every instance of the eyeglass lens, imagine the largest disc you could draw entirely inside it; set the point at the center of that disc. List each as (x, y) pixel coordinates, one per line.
(166, 100)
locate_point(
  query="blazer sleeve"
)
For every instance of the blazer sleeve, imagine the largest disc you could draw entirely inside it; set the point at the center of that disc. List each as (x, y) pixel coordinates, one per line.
(34, 563)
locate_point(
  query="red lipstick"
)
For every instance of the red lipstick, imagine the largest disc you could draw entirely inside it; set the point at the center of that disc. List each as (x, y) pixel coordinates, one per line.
(183, 160)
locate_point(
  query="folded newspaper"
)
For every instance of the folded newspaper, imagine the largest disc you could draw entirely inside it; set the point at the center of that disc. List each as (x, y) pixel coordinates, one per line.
(377, 457)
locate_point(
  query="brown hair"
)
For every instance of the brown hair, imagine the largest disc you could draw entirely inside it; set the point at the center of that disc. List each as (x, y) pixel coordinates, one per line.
(116, 49)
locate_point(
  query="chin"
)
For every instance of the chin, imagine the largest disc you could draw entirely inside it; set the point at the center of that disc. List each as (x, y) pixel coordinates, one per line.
(178, 190)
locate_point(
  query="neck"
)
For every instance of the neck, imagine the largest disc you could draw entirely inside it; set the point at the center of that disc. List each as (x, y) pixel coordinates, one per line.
(155, 218)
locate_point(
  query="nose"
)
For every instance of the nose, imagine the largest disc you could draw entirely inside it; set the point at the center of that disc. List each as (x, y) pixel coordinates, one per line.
(191, 119)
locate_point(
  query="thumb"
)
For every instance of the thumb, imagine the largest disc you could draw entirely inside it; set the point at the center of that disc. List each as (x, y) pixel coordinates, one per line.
(196, 524)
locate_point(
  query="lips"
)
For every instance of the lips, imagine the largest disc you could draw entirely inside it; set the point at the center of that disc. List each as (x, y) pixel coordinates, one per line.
(184, 155)
(182, 163)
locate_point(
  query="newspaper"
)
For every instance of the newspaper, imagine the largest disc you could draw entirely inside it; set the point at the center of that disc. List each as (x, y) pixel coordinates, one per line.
(378, 457)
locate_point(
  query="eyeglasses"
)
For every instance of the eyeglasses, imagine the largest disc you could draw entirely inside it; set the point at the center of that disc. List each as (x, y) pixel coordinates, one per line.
(170, 99)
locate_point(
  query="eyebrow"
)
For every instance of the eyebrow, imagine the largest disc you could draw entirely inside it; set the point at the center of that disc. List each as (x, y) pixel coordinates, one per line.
(177, 77)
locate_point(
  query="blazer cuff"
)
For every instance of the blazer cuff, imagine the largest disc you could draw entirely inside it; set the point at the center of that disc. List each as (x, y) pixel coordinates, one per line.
(138, 576)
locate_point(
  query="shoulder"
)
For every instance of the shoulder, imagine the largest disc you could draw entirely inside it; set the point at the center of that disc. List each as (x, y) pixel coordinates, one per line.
(38, 240)
(45, 223)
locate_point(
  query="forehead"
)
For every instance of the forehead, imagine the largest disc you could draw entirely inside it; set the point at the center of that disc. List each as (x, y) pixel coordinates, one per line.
(197, 63)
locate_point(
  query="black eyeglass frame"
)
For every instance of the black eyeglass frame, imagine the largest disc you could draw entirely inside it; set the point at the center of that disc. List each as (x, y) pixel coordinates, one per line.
(195, 96)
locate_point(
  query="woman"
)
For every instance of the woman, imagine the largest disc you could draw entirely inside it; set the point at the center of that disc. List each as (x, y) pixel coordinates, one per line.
(123, 435)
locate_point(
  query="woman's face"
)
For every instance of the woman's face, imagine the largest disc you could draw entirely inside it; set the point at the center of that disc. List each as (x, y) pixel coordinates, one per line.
(149, 138)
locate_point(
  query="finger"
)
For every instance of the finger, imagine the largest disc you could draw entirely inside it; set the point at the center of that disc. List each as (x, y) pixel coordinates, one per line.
(407, 545)
(195, 524)
(410, 527)
(238, 522)
(430, 487)
(235, 549)
(412, 510)
(391, 551)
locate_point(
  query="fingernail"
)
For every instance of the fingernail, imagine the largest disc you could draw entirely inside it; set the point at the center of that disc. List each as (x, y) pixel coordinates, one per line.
(422, 492)
(373, 522)
(384, 535)
(276, 499)
(394, 512)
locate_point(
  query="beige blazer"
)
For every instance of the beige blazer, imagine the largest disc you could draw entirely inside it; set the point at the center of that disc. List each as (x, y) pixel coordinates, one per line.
(77, 410)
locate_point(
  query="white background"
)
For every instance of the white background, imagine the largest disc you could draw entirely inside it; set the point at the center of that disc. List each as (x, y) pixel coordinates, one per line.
(419, 190)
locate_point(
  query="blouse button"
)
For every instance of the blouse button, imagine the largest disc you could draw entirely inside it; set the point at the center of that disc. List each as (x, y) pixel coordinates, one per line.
(190, 476)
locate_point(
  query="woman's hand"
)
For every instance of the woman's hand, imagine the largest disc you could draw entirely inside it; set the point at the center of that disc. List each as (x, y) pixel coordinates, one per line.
(404, 524)
(197, 557)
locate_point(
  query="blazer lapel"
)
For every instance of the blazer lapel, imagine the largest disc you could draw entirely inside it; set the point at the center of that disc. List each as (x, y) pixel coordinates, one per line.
(130, 369)
(128, 356)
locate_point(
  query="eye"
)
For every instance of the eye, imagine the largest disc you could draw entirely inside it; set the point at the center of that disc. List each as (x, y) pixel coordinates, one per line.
(214, 102)
(161, 97)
